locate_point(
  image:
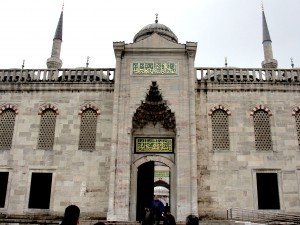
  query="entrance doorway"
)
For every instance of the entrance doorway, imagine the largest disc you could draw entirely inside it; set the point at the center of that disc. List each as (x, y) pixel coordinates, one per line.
(153, 178)
(267, 191)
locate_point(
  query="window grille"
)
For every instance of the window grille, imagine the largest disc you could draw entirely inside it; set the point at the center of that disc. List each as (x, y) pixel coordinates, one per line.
(87, 137)
(7, 123)
(220, 133)
(297, 117)
(262, 131)
(47, 130)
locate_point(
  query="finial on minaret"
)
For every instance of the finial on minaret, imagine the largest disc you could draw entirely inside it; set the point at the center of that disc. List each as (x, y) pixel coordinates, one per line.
(225, 61)
(156, 20)
(262, 6)
(292, 63)
(23, 64)
(63, 6)
(87, 61)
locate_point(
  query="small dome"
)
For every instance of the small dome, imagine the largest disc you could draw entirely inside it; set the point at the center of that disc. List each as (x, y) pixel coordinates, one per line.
(158, 28)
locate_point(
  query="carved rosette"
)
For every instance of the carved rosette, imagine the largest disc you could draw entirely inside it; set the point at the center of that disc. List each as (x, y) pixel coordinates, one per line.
(154, 110)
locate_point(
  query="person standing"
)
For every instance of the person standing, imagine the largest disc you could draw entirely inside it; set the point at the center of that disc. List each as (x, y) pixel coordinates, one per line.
(157, 209)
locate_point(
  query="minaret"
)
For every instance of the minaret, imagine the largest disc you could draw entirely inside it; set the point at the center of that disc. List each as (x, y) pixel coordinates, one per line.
(54, 62)
(269, 61)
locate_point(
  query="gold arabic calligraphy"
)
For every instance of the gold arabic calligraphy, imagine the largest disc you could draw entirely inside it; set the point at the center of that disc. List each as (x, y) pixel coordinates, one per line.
(154, 145)
(154, 68)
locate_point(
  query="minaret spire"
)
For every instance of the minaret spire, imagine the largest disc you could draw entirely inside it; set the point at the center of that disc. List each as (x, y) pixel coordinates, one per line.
(269, 61)
(54, 62)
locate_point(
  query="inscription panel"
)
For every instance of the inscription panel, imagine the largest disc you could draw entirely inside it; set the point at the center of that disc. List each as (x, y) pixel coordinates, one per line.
(153, 145)
(154, 69)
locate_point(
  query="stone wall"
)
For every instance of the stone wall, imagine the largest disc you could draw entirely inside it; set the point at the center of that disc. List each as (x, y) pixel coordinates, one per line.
(79, 177)
(227, 179)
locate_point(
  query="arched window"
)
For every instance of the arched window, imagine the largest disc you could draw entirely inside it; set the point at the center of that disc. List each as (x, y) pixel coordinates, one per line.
(7, 124)
(88, 127)
(47, 129)
(262, 130)
(297, 118)
(220, 130)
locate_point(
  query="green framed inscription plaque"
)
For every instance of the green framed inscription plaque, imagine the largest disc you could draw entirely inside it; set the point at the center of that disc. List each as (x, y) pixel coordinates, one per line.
(154, 68)
(153, 145)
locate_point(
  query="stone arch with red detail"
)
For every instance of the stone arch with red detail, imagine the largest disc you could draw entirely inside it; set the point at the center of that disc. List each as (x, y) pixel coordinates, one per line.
(222, 107)
(89, 106)
(9, 106)
(260, 107)
(48, 106)
(295, 110)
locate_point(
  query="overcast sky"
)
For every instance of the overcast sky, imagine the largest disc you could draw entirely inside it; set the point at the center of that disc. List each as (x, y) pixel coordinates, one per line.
(222, 28)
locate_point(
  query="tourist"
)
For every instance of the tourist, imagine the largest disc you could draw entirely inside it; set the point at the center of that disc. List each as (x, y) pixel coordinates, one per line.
(157, 209)
(71, 216)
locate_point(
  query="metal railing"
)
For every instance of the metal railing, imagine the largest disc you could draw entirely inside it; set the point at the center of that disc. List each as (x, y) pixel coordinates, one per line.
(230, 74)
(98, 75)
(262, 216)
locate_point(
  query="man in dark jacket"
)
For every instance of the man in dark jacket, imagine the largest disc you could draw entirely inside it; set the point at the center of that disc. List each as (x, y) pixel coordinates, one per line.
(157, 209)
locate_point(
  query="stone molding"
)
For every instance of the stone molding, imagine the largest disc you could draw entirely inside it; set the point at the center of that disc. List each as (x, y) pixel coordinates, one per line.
(261, 107)
(9, 106)
(150, 158)
(48, 106)
(222, 107)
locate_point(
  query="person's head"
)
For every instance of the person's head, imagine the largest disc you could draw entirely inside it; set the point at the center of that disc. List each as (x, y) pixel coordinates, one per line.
(192, 220)
(71, 216)
(155, 197)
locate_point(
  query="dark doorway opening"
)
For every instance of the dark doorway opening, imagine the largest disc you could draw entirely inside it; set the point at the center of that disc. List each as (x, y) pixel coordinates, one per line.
(40, 190)
(145, 188)
(267, 191)
(3, 188)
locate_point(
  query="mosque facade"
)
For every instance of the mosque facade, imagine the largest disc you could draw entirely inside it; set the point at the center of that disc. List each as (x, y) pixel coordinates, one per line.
(206, 140)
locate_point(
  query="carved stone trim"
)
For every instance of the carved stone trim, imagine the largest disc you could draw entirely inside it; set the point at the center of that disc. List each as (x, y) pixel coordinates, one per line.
(224, 108)
(9, 106)
(48, 106)
(89, 106)
(261, 107)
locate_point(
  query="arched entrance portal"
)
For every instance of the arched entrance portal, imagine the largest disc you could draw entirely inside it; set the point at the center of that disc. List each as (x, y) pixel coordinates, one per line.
(153, 178)
(152, 174)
